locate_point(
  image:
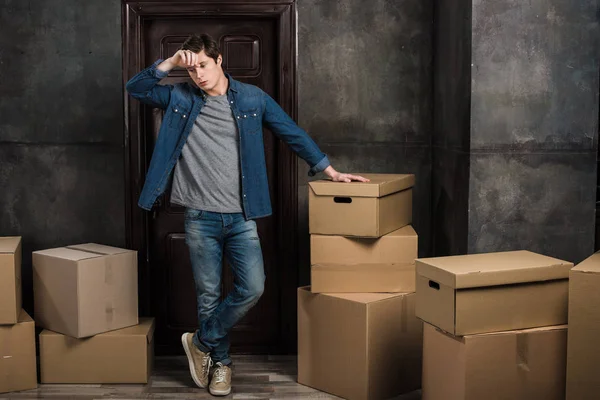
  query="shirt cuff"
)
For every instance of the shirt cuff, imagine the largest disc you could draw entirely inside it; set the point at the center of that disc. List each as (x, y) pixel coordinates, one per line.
(320, 166)
(157, 72)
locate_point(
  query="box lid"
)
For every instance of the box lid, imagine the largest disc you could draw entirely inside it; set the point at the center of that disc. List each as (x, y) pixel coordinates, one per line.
(9, 244)
(81, 251)
(491, 269)
(98, 248)
(590, 264)
(67, 254)
(379, 186)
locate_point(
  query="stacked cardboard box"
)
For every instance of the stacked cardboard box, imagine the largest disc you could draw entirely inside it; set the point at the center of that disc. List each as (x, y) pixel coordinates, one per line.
(17, 331)
(358, 336)
(583, 351)
(86, 298)
(495, 326)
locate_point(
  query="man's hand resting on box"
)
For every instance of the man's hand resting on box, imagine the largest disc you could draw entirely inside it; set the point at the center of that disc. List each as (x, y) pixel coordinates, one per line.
(340, 177)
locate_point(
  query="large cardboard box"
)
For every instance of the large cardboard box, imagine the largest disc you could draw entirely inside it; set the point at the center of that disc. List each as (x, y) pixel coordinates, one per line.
(492, 292)
(398, 247)
(121, 356)
(359, 346)
(10, 279)
(583, 356)
(86, 289)
(362, 278)
(516, 365)
(368, 209)
(18, 370)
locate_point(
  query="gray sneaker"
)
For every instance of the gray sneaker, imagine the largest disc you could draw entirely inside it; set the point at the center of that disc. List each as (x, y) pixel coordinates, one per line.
(199, 361)
(220, 384)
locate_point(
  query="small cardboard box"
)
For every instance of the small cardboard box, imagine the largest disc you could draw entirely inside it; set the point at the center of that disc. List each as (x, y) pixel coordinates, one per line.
(492, 292)
(366, 209)
(18, 369)
(86, 289)
(10, 279)
(359, 345)
(583, 355)
(121, 356)
(515, 365)
(362, 278)
(398, 247)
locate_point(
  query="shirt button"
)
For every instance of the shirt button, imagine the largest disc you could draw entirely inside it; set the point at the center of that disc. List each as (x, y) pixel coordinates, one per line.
(176, 110)
(183, 115)
(238, 117)
(244, 116)
(231, 101)
(255, 115)
(244, 195)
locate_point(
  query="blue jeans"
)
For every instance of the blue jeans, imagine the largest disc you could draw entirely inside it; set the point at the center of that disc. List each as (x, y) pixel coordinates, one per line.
(209, 236)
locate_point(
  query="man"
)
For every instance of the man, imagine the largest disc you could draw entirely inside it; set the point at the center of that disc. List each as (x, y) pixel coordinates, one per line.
(211, 135)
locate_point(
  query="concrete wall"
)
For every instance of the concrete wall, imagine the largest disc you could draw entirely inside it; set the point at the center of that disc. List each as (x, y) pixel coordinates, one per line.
(534, 126)
(61, 130)
(364, 91)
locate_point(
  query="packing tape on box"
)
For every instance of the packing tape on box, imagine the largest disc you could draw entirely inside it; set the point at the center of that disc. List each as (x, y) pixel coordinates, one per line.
(404, 315)
(523, 351)
(108, 271)
(109, 311)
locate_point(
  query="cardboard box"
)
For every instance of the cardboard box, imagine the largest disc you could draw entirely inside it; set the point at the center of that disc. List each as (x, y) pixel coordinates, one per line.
(121, 356)
(362, 278)
(492, 292)
(370, 209)
(86, 289)
(18, 369)
(583, 356)
(515, 365)
(10, 279)
(359, 345)
(398, 247)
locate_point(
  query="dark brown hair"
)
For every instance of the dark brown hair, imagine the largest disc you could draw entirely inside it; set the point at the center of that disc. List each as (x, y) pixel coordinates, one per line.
(196, 43)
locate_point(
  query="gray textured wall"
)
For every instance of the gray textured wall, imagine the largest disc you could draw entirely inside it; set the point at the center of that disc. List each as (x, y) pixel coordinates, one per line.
(364, 91)
(534, 126)
(61, 130)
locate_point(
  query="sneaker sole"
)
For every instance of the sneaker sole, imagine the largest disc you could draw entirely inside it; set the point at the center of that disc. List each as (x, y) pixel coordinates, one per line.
(215, 392)
(188, 353)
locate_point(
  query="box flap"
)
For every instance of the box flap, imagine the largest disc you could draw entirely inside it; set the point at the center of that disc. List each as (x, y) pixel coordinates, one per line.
(9, 244)
(590, 264)
(491, 269)
(24, 317)
(98, 249)
(379, 186)
(407, 231)
(364, 298)
(520, 331)
(67, 254)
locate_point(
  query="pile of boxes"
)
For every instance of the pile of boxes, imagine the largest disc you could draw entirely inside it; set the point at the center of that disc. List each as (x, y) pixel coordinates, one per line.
(358, 336)
(18, 369)
(495, 326)
(86, 299)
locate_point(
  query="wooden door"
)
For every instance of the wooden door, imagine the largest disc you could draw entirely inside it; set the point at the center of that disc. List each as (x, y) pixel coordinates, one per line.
(254, 51)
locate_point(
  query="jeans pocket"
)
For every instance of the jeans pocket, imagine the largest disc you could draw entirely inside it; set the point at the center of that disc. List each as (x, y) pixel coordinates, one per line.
(193, 215)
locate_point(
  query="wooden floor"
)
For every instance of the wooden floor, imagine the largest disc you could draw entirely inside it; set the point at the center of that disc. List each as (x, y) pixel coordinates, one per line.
(254, 377)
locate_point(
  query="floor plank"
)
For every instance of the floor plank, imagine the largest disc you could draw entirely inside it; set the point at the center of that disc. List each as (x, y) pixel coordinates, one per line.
(255, 377)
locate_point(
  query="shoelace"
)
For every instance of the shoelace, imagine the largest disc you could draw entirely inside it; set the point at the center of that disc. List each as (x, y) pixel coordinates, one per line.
(207, 363)
(220, 373)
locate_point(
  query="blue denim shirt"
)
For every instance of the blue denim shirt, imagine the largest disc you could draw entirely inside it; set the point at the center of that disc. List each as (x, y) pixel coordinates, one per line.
(251, 108)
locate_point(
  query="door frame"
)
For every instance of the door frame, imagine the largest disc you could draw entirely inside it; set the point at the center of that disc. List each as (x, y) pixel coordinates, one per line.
(134, 15)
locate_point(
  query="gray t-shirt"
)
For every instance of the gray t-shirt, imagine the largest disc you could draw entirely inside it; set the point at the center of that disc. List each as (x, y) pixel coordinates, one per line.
(207, 175)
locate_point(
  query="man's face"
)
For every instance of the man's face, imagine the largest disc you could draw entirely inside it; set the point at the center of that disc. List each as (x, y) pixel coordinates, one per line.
(207, 72)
